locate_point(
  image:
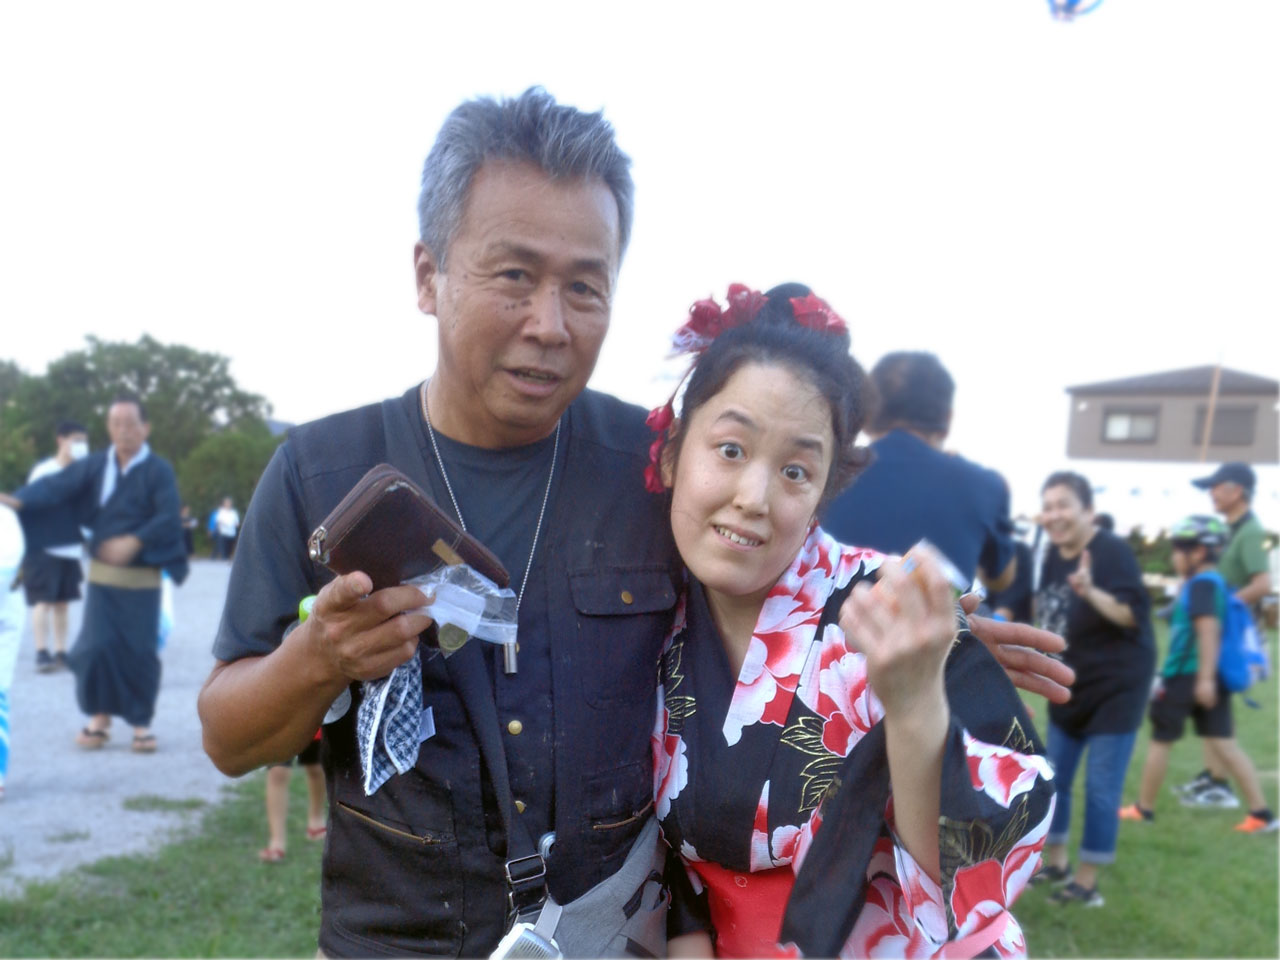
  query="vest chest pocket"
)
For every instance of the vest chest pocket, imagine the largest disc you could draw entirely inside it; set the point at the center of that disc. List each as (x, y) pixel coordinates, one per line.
(623, 615)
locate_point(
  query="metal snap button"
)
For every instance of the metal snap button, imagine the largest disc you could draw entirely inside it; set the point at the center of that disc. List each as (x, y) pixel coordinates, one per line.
(515, 727)
(627, 597)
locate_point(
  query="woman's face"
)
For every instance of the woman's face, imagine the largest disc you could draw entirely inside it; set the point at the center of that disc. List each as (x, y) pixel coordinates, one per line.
(752, 466)
(1067, 521)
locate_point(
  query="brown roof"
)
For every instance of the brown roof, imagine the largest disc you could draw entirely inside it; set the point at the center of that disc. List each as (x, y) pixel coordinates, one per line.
(1195, 381)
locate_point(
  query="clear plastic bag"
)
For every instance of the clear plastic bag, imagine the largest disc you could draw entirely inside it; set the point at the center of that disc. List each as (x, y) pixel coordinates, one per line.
(467, 604)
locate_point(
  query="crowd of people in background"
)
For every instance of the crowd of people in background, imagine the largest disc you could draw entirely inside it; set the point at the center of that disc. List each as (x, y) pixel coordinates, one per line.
(117, 511)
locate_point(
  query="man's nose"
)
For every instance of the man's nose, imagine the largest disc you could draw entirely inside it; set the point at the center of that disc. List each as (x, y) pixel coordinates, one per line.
(546, 322)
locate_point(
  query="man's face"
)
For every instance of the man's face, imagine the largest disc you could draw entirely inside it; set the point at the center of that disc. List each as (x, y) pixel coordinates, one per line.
(71, 444)
(1226, 496)
(523, 303)
(127, 429)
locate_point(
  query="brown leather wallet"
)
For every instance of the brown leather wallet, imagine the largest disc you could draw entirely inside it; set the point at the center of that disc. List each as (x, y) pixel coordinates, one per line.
(390, 529)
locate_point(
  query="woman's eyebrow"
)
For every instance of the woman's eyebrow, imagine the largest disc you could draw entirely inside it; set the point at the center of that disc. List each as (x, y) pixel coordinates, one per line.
(806, 441)
(737, 416)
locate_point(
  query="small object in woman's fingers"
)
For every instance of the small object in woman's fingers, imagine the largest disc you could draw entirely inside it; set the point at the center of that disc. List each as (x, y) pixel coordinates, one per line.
(911, 563)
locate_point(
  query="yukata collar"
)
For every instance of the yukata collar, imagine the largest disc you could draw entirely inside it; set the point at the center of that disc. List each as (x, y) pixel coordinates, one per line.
(782, 647)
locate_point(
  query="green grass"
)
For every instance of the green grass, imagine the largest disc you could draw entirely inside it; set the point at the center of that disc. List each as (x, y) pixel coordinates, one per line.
(1185, 885)
(204, 895)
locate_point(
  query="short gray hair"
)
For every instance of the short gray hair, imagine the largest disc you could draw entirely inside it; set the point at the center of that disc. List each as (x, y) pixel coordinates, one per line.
(562, 141)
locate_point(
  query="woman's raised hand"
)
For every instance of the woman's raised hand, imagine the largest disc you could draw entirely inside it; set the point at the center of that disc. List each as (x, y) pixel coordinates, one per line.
(904, 626)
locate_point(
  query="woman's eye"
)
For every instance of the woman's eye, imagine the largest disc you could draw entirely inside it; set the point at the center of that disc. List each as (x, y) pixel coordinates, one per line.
(731, 451)
(795, 473)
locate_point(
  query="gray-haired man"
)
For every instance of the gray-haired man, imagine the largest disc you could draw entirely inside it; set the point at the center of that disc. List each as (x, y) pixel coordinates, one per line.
(525, 215)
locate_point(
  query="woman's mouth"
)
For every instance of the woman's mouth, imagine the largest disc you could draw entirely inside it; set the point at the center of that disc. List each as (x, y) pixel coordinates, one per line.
(738, 538)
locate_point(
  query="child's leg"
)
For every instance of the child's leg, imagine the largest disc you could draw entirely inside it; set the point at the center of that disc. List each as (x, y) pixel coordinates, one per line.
(41, 615)
(316, 813)
(1153, 773)
(277, 805)
(1242, 771)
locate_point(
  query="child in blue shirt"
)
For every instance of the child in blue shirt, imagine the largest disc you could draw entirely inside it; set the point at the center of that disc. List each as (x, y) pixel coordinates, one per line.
(1189, 685)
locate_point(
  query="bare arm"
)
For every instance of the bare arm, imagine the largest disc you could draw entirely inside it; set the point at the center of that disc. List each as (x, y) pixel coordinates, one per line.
(1257, 588)
(1004, 580)
(1111, 608)
(1208, 644)
(265, 709)
(904, 627)
(1107, 605)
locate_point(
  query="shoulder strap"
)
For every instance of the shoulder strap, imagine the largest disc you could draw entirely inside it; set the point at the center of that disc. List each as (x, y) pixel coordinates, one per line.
(525, 870)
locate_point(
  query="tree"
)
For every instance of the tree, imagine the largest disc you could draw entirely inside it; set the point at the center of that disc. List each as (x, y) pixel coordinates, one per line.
(188, 393)
(226, 464)
(17, 447)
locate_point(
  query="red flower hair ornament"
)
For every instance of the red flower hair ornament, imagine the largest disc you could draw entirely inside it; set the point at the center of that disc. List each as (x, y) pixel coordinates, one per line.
(707, 320)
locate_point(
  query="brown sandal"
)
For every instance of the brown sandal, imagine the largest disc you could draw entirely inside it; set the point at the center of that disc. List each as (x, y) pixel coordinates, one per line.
(92, 739)
(146, 743)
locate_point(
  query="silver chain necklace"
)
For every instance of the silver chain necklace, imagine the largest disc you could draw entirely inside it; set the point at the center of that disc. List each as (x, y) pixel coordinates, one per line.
(509, 650)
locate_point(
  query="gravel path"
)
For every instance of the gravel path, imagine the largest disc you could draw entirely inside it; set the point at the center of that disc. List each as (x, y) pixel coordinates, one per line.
(66, 806)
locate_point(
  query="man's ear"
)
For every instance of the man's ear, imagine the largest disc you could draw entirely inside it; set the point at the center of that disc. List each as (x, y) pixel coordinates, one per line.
(668, 465)
(426, 272)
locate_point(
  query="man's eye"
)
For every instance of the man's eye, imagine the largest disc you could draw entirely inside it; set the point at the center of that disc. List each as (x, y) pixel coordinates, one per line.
(795, 473)
(731, 451)
(581, 289)
(515, 273)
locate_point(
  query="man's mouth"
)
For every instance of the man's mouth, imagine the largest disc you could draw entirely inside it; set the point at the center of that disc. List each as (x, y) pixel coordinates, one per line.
(534, 376)
(738, 538)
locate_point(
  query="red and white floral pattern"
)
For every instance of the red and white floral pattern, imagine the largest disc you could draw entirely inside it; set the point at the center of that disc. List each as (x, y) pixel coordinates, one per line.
(905, 912)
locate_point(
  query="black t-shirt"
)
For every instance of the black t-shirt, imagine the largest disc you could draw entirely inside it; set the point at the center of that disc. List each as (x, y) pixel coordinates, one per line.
(500, 493)
(1113, 664)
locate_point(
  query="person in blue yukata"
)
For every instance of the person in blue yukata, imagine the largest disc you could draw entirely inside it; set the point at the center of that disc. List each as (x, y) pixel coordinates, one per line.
(128, 497)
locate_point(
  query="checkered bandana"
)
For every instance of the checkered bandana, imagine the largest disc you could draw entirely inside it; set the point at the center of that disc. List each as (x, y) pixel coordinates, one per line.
(388, 724)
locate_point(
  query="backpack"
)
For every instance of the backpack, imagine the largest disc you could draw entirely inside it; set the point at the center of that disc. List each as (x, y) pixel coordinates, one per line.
(1242, 658)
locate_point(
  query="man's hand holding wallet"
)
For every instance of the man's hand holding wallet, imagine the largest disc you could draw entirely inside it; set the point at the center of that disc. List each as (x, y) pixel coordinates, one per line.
(386, 531)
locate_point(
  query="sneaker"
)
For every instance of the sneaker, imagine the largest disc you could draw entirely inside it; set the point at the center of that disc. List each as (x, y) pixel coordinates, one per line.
(44, 662)
(1252, 824)
(1199, 782)
(1217, 797)
(60, 660)
(1051, 874)
(1135, 812)
(1074, 893)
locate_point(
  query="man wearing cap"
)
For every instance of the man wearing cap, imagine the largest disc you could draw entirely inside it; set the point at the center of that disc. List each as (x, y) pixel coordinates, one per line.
(1244, 566)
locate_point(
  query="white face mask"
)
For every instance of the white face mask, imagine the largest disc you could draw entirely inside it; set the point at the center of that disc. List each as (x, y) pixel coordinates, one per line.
(79, 448)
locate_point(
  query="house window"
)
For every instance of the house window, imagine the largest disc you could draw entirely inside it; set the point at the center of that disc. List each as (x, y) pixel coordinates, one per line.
(1130, 424)
(1232, 426)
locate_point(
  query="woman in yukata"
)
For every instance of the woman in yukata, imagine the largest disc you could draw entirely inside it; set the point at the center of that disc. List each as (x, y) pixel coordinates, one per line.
(818, 704)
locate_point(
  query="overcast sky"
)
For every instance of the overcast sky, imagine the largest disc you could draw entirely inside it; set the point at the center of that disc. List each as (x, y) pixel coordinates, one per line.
(1042, 204)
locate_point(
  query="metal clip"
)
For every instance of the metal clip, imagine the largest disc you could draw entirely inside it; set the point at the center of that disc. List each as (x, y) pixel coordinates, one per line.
(315, 546)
